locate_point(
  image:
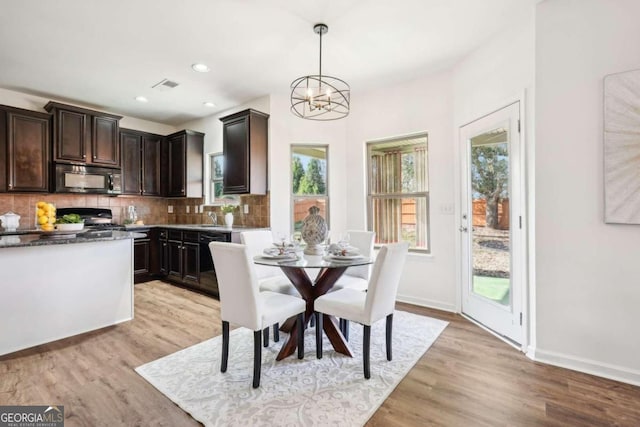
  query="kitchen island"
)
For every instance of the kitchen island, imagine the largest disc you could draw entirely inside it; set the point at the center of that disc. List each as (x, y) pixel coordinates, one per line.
(55, 286)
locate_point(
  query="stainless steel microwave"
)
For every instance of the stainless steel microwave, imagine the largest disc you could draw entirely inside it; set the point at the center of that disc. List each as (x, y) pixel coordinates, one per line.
(87, 179)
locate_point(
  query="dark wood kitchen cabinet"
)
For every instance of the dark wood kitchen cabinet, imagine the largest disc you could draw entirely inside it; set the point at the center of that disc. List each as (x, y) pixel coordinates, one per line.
(141, 257)
(24, 150)
(245, 148)
(183, 162)
(141, 162)
(182, 257)
(84, 136)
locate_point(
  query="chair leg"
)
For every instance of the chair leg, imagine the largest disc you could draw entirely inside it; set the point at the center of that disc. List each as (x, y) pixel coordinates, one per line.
(312, 321)
(301, 336)
(366, 347)
(345, 329)
(257, 357)
(388, 334)
(318, 317)
(276, 332)
(265, 337)
(225, 346)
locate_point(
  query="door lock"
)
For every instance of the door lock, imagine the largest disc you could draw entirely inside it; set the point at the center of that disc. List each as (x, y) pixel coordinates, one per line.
(463, 229)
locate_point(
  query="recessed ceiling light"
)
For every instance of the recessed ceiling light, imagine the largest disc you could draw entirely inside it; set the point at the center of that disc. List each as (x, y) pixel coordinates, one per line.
(201, 68)
(208, 104)
(141, 99)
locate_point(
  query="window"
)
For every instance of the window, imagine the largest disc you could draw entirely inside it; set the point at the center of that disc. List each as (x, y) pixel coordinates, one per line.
(216, 167)
(398, 191)
(309, 185)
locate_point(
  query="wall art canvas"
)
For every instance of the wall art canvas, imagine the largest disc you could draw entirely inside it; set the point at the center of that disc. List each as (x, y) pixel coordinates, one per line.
(622, 148)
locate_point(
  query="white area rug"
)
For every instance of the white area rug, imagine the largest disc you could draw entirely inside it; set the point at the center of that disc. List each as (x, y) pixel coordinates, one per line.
(308, 392)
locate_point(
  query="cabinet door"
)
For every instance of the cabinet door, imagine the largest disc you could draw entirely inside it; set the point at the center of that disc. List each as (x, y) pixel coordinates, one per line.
(174, 259)
(140, 259)
(235, 146)
(71, 136)
(28, 152)
(151, 166)
(191, 263)
(177, 164)
(163, 250)
(130, 143)
(105, 145)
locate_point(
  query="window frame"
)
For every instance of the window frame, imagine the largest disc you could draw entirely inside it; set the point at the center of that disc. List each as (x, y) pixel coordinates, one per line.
(408, 195)
(211, 197)
(295, 197)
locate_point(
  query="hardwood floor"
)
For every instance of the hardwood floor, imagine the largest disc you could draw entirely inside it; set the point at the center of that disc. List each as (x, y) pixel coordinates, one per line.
(467, 378)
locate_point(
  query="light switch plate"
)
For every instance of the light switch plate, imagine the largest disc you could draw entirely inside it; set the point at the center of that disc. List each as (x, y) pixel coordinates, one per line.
(246, 208)
(170, 209)
(188, 209)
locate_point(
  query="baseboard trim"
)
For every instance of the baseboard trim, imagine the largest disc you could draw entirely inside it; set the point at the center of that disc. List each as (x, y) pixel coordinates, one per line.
(591, 367)
(438, 305)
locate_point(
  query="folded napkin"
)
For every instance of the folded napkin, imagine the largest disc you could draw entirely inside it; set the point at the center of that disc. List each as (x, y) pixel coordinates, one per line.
(279, 251)
(335, 249)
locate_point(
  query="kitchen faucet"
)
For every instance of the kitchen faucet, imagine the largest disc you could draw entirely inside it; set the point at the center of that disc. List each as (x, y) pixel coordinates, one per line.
(214, 217)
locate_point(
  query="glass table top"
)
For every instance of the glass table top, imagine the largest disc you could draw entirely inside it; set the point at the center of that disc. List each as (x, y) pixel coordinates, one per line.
(312, 261)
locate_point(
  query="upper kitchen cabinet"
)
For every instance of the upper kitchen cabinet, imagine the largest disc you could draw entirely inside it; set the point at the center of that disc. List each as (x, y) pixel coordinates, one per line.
(84, 136)
(141, 154)
(183, 162)
(244, 146)
(24, 150)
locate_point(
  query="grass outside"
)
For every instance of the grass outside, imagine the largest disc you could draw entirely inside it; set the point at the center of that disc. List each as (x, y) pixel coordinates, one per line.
(493, 288)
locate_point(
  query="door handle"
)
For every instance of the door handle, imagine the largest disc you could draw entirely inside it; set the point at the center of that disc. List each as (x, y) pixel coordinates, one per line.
(463, 229)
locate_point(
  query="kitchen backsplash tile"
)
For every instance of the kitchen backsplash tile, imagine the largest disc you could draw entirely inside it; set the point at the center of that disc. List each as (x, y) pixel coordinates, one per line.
(151, 210)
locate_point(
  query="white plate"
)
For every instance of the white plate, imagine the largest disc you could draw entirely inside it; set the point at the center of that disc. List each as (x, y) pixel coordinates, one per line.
(283, 256)
(345, 257)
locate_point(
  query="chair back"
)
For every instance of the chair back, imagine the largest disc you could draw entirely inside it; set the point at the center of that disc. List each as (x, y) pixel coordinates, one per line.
(385, 278)
(363, 240)
(256, 242)
(237, 285)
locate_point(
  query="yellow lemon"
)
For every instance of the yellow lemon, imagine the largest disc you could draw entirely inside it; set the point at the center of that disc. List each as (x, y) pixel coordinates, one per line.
(42, 219)
(40, 212)
(41, 204)
(47, 227)
(52, 220)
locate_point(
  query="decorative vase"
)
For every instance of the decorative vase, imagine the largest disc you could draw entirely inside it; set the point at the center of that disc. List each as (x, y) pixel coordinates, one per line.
(228, 219)
(314, 231)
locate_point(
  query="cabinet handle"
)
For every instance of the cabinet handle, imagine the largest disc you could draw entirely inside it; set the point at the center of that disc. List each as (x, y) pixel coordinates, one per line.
(84, 156)
(94, 156)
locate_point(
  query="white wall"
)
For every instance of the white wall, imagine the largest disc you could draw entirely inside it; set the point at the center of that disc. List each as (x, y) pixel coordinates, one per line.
(588, 274)
(37, 103)
(422, 105)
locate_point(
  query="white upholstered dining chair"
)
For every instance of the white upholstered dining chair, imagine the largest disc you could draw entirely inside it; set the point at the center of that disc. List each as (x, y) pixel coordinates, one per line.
(357, 277)
(368, 307)
(269, 278)
(243, 304)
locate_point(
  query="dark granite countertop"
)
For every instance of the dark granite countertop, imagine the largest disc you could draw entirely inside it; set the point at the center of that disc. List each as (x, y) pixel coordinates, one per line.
(196, 227)
(39, 238)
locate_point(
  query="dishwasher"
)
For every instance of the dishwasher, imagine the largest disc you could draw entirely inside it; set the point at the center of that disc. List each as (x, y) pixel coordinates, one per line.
(207, 271)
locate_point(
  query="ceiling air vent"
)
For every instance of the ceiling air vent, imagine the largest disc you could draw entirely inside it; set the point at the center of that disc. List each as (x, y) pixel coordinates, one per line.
(165, 84)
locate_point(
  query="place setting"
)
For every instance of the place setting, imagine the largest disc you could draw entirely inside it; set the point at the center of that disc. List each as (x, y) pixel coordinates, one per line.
(342, 251)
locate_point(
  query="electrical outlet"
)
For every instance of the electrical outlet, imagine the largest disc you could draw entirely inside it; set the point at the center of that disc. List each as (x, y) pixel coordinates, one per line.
(188, 209)
(170, 209)
(246, 208)
(201, 208)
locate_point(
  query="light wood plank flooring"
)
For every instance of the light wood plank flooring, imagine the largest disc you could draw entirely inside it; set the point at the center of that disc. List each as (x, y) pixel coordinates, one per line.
(467, 378)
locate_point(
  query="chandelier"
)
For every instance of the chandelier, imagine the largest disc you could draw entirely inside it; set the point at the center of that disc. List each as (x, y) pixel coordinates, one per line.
(318, 97)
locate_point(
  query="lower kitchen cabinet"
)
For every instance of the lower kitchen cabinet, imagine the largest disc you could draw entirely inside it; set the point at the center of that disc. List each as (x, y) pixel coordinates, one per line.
(141, 258)
(183, 258)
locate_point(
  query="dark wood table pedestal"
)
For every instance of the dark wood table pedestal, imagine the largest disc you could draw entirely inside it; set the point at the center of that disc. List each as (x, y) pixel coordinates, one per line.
(309, 291)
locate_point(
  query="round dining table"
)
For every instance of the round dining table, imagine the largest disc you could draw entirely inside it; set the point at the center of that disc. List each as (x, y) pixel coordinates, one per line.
(330, 269)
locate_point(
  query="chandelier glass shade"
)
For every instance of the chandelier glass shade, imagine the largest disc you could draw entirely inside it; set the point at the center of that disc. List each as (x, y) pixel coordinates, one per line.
(320, 97)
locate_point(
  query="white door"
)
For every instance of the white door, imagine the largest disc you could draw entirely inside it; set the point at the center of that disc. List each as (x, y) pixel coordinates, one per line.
(491, 222)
